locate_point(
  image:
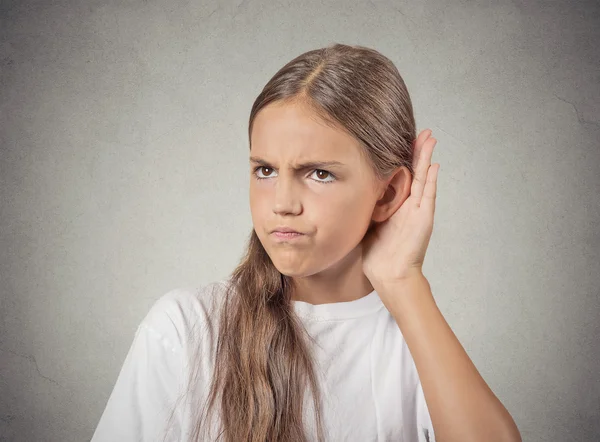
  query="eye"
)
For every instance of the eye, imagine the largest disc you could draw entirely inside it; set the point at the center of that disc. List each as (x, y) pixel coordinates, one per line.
(322, 172)
(261, 167)
(326, 173)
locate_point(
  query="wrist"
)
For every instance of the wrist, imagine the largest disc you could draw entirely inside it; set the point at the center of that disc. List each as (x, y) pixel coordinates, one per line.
(405, 295)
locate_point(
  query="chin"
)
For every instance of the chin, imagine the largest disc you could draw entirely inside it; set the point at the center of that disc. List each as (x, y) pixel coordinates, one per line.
(290, 270)
(287, 270)
(295, 271)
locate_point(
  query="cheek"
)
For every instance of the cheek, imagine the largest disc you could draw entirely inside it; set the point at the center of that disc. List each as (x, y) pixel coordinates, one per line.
(258, 205)
(338, 211)
(341, 223)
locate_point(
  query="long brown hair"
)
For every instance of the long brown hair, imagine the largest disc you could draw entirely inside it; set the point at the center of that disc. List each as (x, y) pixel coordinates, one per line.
(263, 358)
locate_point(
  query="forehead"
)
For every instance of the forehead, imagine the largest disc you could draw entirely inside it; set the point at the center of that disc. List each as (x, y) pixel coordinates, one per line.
(296, 128)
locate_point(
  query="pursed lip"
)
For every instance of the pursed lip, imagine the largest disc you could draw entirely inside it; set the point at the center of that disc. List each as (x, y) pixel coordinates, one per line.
(285, 230)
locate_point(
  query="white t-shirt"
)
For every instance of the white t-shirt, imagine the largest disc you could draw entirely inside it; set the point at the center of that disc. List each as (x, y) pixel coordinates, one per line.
(368, 380)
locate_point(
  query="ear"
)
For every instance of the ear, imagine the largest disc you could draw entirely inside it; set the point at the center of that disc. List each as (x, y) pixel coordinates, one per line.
(392, 194)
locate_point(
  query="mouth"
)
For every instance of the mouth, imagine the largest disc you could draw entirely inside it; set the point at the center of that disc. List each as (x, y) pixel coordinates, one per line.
(284, 229)
(286, 235)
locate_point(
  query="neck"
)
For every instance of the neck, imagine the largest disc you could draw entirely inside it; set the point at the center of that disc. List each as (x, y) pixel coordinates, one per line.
(343, 282)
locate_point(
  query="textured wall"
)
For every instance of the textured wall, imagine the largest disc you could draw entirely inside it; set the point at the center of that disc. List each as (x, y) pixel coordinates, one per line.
(123, 174)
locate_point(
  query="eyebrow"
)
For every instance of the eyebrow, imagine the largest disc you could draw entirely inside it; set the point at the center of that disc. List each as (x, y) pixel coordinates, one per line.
(309, 165)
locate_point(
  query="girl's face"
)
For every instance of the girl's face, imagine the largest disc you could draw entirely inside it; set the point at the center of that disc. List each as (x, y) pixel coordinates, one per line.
(331, 204)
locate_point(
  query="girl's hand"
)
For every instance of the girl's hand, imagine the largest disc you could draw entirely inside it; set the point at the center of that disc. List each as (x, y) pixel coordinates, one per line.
(395, 249)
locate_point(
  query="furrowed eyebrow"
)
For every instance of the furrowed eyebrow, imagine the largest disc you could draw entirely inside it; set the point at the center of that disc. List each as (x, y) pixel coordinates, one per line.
(309, 165)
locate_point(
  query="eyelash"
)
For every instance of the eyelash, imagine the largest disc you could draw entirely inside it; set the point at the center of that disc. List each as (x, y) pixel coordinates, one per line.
(318, 181)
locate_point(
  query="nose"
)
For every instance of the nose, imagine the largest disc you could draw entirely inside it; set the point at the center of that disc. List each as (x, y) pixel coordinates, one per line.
(286, 197)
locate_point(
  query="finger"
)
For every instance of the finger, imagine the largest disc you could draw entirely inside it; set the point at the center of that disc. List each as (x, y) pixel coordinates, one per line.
(430, 192)
(418, 145)
(423, 165)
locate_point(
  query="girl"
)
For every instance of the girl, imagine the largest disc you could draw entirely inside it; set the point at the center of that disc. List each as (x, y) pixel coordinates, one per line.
(330, 300)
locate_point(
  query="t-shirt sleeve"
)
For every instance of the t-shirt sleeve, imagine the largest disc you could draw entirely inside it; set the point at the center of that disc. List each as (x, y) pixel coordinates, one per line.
(148, 385)
(424, 424)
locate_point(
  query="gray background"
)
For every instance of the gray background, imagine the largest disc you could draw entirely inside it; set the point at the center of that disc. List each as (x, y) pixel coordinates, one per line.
(124, 173)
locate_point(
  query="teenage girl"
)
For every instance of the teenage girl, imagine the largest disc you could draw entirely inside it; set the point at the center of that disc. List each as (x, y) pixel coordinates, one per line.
(327, 330)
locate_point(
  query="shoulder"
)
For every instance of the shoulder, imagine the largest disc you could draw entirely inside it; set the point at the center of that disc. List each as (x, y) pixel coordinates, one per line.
(177, 314)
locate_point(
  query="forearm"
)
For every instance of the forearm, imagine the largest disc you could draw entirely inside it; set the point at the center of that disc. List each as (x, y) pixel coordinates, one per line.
(462, 406)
